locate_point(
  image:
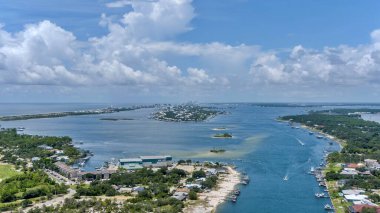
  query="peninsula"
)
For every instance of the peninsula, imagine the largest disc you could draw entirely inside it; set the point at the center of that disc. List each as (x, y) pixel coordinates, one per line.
(73, 113)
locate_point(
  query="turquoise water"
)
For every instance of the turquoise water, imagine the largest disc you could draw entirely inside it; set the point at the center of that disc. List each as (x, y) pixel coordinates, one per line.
(265, 149)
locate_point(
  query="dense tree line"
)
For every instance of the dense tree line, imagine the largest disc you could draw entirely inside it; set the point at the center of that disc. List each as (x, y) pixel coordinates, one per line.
(156, 193)
(345, 111)
(29, 185)
(168, 205)
(14, 146)
(363, 137)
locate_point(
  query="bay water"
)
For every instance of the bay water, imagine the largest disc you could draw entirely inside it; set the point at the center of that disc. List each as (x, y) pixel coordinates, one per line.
(262, 147)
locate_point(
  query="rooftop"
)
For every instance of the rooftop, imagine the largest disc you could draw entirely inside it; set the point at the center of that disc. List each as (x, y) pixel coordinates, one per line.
(130, 160)
(352, 191)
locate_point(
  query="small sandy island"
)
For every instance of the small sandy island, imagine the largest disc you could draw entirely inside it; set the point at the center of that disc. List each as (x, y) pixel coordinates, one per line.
(209, 201)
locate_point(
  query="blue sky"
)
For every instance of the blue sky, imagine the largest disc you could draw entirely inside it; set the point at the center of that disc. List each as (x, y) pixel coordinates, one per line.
(180, 50)
(271, 24)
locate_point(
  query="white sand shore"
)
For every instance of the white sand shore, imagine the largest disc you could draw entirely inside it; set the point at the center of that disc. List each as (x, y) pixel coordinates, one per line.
(333, 138)
(209, 201)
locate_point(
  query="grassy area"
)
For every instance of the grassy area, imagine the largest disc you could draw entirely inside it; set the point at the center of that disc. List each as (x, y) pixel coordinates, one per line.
(10, 205)
(333, 167)
(6, 171)
(339, 204)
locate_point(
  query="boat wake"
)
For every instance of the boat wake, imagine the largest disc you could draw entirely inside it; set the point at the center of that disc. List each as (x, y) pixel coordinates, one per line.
(300, 142)
(286, 178)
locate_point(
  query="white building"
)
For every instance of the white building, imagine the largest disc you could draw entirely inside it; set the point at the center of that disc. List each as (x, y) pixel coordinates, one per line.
(349, 171)
(372, 164)
(353, 191)
(352, 198)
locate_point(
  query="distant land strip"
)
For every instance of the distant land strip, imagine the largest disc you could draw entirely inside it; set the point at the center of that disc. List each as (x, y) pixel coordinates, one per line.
(74, 113)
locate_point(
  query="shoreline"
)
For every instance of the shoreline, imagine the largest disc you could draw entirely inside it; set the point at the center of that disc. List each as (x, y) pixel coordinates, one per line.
(209, 201)
(341, 144)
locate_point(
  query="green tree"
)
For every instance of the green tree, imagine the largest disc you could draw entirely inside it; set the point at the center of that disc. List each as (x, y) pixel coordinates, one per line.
(199, 174)
(25, 203)
(193, 195)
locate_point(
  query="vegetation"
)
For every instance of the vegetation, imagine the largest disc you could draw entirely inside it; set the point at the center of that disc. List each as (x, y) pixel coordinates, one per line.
(73, 113)
(224, 135)
(14, 146)
(217, 150)
(96, 188)
(362, 137)
(188, 112)
(193, 195)
(169, 205)
(210, 182)
(343, 111)
(154, 196)
(199, 174)
(361, 141)
(28, 185)
(6, 171)
(184, 162)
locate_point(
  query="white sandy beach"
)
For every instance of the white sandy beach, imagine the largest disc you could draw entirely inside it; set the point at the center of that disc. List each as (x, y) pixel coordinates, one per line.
(208, 202)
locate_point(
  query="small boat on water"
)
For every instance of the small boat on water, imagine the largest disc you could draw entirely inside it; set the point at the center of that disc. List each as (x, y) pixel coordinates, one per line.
(233, 198)
(286, 178)
(20, 129)
(312, 171)
(237, 192)
(311, 133)
(246, 178)
(328, 207)
(320, 195)
(319, 136)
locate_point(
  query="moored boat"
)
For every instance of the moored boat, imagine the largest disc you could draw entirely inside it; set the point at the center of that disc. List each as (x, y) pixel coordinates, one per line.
(328, 207)
(320, 195)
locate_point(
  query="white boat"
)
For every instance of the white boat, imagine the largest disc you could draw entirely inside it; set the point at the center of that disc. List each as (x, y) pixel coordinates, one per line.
(286, 178)
(312, 170)
(320, 195)
(328, 207)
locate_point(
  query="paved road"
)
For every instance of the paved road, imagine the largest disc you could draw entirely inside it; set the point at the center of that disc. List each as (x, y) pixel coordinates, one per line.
(54, 201)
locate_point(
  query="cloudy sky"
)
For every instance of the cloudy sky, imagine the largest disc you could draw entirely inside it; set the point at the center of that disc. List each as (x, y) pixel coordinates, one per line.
(181, 50)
